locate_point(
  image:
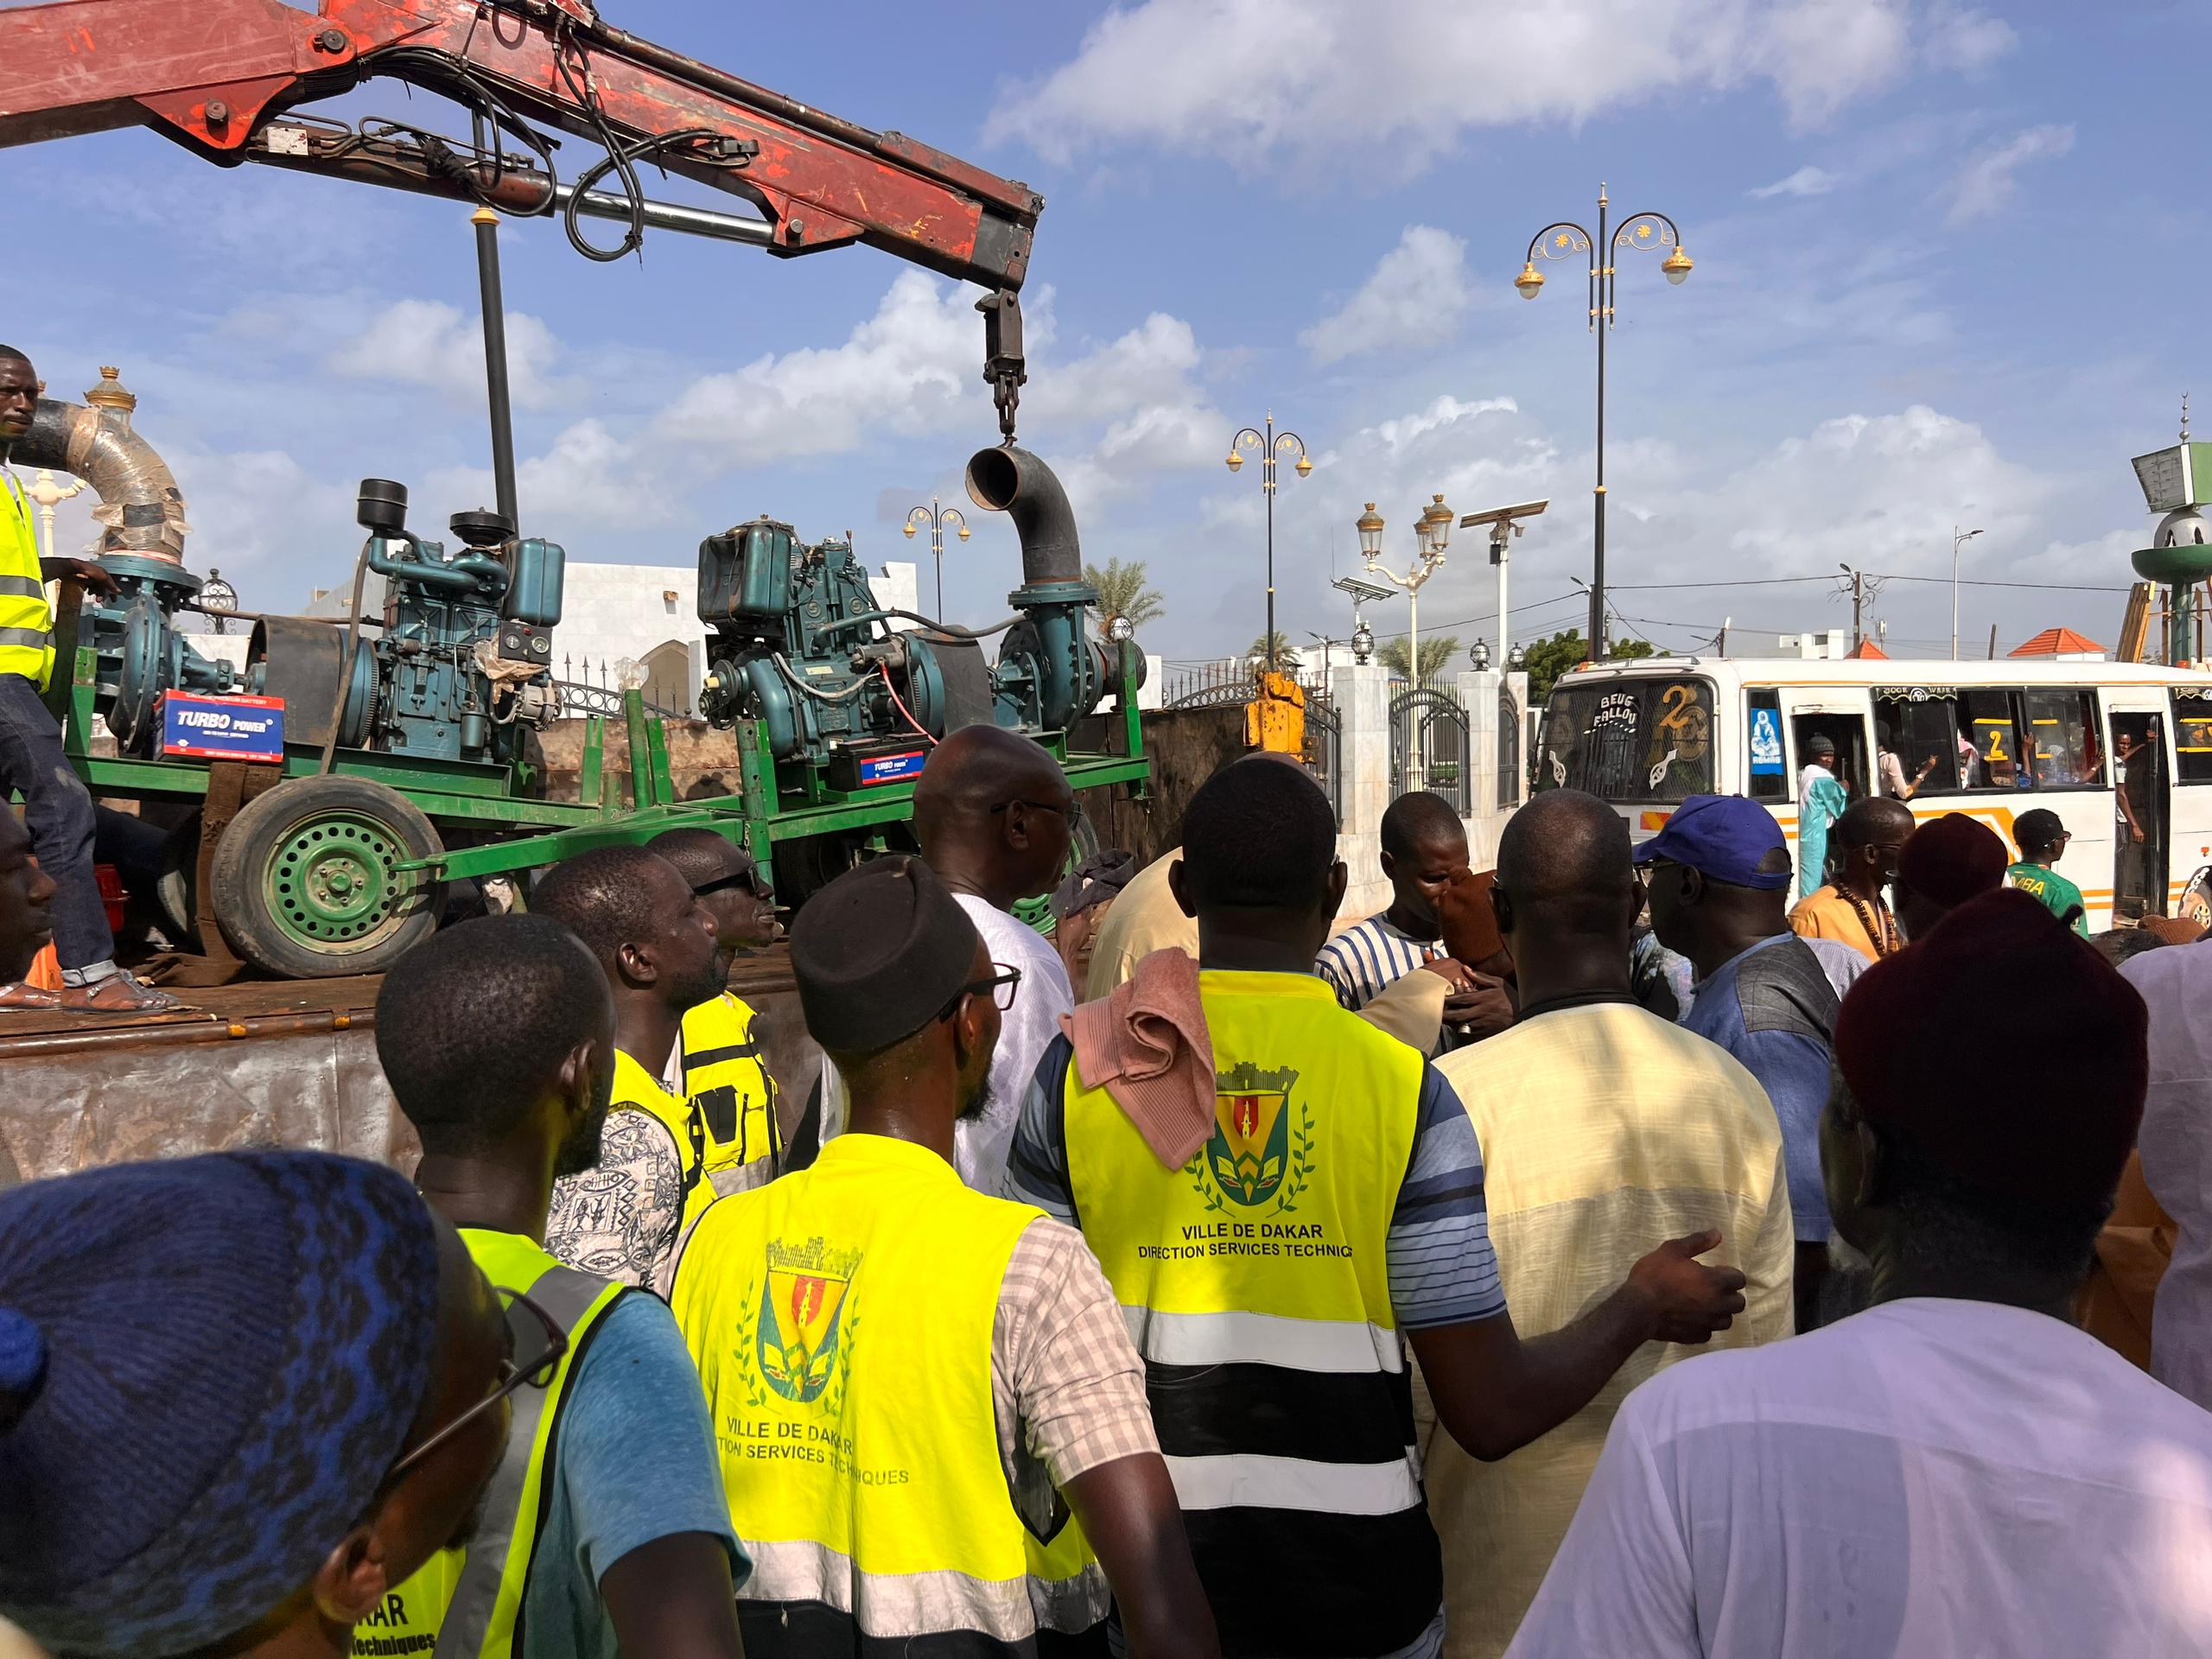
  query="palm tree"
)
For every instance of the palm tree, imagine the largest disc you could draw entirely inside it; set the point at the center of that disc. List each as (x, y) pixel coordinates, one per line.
(1122, 592)
(1435, 653)
(1259, 648)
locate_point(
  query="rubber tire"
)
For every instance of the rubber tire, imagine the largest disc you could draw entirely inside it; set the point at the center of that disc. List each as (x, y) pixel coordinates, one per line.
(177, 889)
(243, 856)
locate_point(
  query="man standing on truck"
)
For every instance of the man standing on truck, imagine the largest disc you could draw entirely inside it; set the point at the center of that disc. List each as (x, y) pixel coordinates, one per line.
(57, 807)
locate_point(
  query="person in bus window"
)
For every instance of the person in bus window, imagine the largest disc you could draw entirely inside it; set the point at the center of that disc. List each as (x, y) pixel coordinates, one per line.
(1892, 769)
(1820, 801)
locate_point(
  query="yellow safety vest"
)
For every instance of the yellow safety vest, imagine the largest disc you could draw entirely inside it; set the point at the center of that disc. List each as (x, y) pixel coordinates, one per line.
(26, 623)
(842, 1319)
(636, 1090)
(1256, 1280)
(463, 1604)
(726, 1077)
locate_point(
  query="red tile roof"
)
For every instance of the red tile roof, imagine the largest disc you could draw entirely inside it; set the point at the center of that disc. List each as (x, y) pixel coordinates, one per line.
(2055, 642)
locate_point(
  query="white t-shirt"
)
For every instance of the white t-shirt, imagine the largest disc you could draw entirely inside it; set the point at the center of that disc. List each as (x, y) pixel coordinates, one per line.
(1025, 1031)
(1931, 1477)
(2176, 1141)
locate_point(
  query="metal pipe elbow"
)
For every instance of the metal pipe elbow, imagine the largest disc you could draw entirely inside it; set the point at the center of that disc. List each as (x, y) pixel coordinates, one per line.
(141, 510)
(1012, 480)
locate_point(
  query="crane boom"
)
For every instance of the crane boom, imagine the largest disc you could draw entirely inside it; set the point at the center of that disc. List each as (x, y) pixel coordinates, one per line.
(215, 75)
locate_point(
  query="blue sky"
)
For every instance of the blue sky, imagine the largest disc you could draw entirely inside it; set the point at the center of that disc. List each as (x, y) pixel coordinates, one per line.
(1948, 271)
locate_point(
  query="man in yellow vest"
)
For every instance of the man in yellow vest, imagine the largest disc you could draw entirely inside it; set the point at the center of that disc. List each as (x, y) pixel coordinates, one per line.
(655, 943)
(604, 1532)
(1329, 1210)
(718, 1062)
(56, 805)
(933, 1426)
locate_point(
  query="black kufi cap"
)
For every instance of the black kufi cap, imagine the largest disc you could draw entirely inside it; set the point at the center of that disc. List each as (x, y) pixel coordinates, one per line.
(879, 953)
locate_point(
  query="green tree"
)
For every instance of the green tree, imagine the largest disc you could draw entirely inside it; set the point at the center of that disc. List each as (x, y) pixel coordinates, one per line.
(1259, 647)
(1547, 659)
(1122, 592)
(1436, 655)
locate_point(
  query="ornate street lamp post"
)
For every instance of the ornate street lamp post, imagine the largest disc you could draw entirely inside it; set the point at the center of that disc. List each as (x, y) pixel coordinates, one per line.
(1269, 443)
(1432, 533)
(936, 519)
(1562, 241)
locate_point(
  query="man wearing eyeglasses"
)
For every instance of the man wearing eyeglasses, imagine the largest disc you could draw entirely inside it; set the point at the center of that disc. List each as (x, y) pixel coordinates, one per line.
(932, 1421)
(995, 817)
(717, 1063)
(242, 1396)
(604, 1532)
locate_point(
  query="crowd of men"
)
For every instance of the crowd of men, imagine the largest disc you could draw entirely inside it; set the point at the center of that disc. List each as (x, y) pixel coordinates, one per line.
(1598, 1255)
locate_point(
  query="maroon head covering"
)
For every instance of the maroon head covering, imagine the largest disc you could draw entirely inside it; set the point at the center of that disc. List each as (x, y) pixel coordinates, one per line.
(2053, 1129)
(1952, 860)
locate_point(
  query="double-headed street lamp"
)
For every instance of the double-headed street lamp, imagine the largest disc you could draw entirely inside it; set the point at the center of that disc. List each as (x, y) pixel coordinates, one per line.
(1270, 443)
(1562, 241)
(936, 519)
(1432, 534)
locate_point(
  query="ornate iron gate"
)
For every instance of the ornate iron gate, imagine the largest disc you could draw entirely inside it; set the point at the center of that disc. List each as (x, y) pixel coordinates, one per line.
(1508, 749)
(1324, 749)
(1429, 747)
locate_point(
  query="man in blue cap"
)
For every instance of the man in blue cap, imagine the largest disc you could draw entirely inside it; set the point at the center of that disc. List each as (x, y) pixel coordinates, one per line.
(242, 1397)
(1718, 881)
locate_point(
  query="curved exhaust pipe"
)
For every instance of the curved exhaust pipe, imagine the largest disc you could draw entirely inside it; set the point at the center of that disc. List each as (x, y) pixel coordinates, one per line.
(140, 507)
(1012, 480)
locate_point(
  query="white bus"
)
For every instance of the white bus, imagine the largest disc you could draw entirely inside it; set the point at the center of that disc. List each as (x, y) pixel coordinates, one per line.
(1998, 738)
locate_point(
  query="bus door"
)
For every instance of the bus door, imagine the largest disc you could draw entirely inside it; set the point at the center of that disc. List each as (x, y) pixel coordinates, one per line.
(1840, 716)
(2142, 763)
(2189, 802)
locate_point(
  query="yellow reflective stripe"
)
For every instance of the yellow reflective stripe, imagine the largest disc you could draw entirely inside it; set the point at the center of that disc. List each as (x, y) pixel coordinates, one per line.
(907, 1605)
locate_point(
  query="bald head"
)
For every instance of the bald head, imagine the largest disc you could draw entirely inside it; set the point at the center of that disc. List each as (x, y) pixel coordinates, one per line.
(1877, 818)
(993, 811)
(1563, 861)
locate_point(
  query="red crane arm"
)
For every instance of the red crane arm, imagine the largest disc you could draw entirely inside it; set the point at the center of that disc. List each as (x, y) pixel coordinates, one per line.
(212, 73)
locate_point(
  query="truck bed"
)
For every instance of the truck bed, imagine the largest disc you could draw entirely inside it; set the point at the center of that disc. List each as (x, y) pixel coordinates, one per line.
(286, 1063)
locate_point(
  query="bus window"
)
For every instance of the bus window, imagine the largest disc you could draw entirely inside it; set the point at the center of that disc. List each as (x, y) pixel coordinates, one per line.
(1922, 726)
(1989, 727)
(1629, 740)
(2063, 729)
(2193, 734)
(1770, 769)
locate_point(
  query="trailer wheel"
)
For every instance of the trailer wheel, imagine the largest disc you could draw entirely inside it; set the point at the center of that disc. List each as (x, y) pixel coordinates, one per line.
(304, 883)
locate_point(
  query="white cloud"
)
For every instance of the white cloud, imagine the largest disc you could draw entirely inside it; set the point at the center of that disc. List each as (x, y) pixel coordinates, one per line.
(1963, 39)
(1805, 181)
(1221, 76)
(1415, 297)
(908, 369)
(1878, 492)
(264, 520)
(428, 343)
(588, 475)
(1988, 184)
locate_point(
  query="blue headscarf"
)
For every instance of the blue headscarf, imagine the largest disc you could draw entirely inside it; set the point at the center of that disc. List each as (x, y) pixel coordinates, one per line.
(206, 1366)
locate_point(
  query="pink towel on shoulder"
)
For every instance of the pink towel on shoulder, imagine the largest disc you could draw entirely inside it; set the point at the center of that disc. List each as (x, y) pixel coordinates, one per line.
(1147, 1045)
